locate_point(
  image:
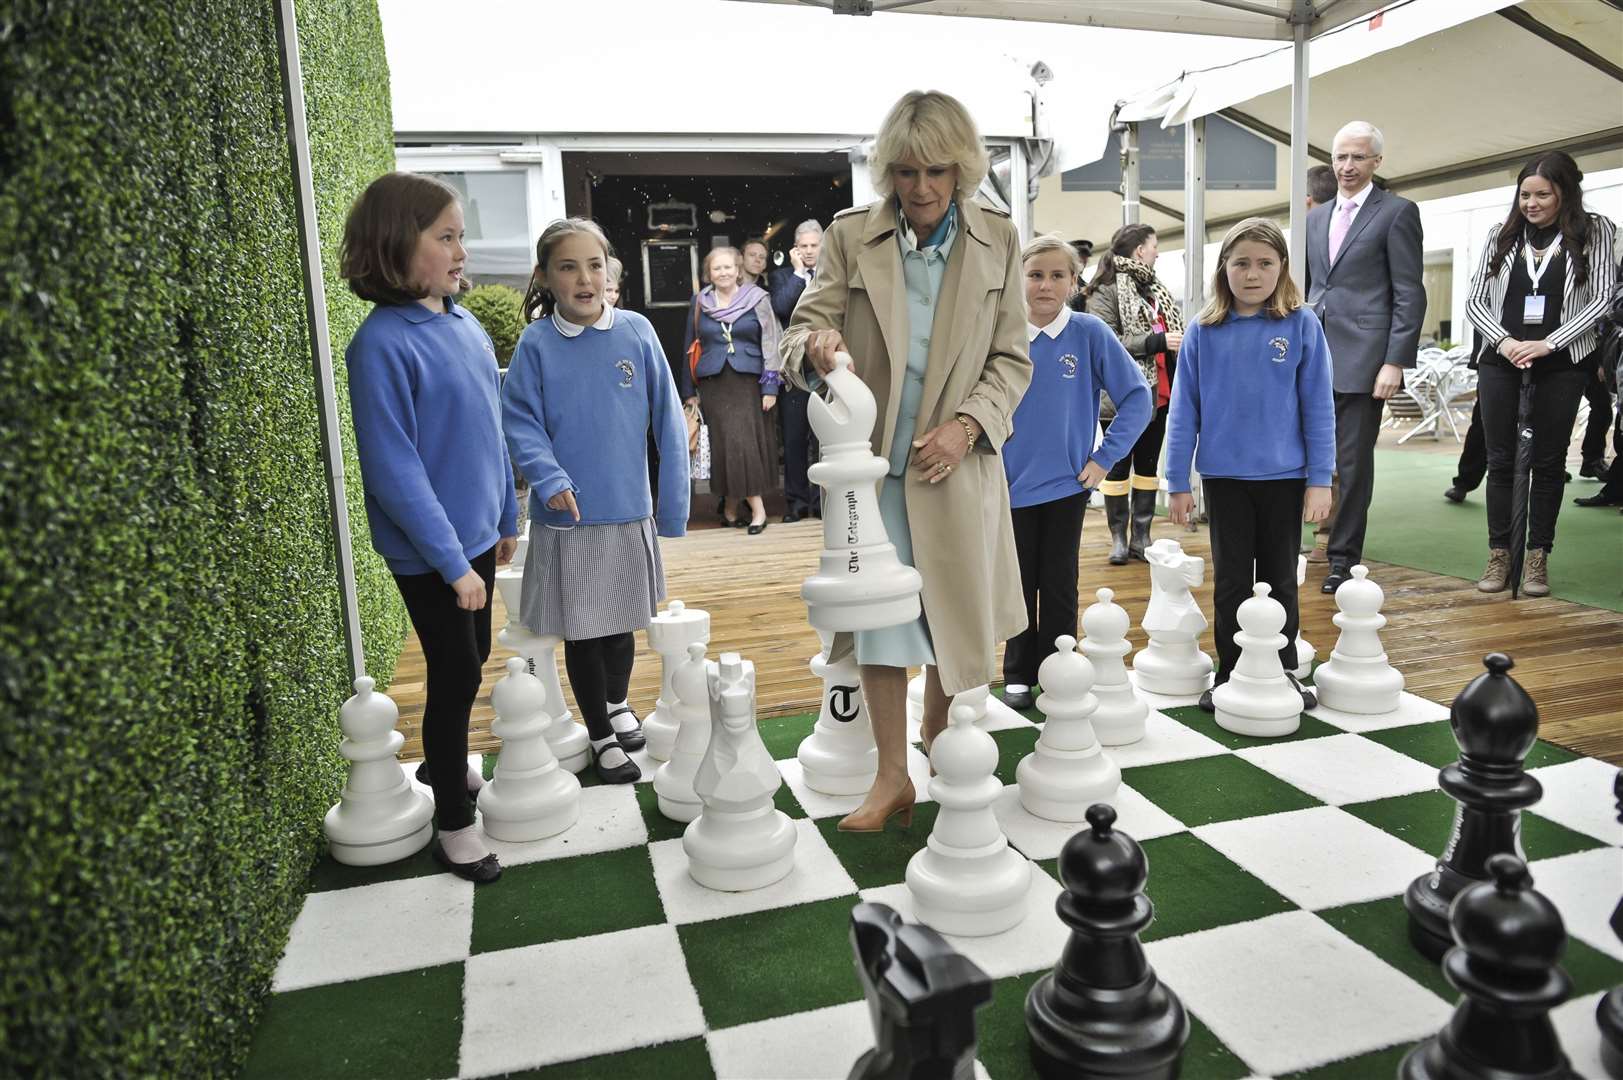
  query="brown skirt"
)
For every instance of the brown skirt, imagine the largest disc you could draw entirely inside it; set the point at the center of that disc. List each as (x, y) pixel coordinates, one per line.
(741, 457)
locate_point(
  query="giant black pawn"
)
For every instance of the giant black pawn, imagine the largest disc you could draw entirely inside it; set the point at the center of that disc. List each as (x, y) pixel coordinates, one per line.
(1495, 724)
(1507, 966)
(1609, 1013)
(922, 996)
(1102, 1013)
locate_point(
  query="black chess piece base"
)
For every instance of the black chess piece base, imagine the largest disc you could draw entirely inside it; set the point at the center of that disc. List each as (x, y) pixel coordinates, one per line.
(1609, 1015)
(1077, 1032)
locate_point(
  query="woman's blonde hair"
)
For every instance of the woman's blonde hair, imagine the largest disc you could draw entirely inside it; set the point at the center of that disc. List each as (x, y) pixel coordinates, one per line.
(1286, 298)
(933, 128)
(1047, 244)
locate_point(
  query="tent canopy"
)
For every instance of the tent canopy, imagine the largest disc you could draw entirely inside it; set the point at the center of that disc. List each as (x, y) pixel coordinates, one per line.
(1465, 93)
(1267, 19)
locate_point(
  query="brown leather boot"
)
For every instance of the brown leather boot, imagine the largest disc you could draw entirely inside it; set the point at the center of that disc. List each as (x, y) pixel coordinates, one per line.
(1497, 575)
(1536, 574)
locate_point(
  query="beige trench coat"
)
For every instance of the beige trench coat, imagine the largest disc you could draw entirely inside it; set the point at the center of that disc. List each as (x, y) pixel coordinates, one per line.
(978, 365)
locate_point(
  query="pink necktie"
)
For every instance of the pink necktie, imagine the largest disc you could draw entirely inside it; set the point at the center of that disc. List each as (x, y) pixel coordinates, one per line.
(1339, 227)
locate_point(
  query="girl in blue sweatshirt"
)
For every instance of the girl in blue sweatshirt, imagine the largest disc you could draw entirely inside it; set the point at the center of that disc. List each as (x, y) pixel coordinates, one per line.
(1050, 459)
(424, 392)
(1252, 407)
(586, 385)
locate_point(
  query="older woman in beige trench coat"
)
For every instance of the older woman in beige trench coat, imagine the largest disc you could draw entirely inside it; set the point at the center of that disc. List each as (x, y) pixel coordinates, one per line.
(928, 159)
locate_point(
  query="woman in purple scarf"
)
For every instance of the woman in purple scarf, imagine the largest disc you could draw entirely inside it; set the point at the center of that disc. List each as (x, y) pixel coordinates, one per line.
(736, 382)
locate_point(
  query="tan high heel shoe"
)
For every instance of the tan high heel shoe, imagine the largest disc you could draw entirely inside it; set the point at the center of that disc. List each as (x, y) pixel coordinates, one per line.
(901, 808)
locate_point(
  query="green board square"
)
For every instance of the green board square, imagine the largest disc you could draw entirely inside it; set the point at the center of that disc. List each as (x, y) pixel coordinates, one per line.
(329, 874)
(784, 734)
(658, 825)
(405, 1026)
(1194, 717)
(685, 1060)
(875, 859)
(1195, 887)
(1012, 745)
(1375, 1063)
(566, 898)
(1426, 821)
(1434, 744)
(808, 965)
(1210, 789)
(1382, 927)
(785, 800)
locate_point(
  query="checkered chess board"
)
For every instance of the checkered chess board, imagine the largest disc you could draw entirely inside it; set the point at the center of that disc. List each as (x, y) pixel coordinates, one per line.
(1276, 869)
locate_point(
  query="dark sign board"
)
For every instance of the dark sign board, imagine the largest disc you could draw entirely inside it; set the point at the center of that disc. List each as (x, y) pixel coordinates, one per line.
(1236, 160)
(670, 272)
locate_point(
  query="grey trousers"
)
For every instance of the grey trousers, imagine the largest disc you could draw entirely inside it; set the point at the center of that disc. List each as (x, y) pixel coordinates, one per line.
(1358, 422)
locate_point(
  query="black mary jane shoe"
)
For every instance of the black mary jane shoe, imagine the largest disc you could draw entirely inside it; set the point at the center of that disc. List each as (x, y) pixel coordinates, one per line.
(624, 773)
(1310, 700)
(1019, 701)
(630, 740)
(1206, 704)
(483, 872)
(422, 778)
(757, 530)
(1334, 580)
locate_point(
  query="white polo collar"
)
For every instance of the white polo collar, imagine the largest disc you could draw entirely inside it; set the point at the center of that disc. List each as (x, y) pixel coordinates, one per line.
(1053, 329)
(569, 329)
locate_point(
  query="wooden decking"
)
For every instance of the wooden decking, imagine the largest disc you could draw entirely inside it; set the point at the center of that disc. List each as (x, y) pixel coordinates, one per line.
(1569, 657)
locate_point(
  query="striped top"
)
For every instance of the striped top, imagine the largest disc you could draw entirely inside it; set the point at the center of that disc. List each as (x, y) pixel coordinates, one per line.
(1581, 310)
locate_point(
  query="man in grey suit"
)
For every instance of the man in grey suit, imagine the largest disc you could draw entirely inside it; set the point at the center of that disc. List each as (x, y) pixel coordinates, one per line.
(1364, 257)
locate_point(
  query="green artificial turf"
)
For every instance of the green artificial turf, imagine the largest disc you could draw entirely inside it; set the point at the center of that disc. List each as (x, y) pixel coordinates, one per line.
(1411, 524)
(875, 859)
(685, 1060)
(1195, 887)
(1426, 820)
(1193, 716)
(1434, 744)
(566, 898)
(406, 1026)
(1212, 789)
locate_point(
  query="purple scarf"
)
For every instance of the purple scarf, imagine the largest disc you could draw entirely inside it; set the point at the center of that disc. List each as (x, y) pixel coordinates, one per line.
(744, 301)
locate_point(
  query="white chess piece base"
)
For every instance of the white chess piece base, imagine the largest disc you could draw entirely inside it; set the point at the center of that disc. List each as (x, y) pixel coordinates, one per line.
(968, 893)
(1365, 686)
(1267, 712)
(1120, 717)
(1176, 669)
(736, 852)
(402, 827)
(534, 817)
(1060, 785)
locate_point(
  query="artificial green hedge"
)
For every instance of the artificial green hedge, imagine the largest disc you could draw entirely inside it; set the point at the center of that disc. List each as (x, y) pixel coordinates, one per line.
(500, 310)
(171, 653)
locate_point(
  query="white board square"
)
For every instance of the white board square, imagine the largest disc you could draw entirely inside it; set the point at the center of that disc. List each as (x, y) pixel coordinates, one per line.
(1165, 740)
(542, 1004)
(1584, 888)
(818, 875)
(1039, 838)
(1412, 709)
(348, 934)
(1342, 769)
(1032, 945)
(609, 820)
(1288, 992)
(1578, 794)
(1320, 857)
(818, 805)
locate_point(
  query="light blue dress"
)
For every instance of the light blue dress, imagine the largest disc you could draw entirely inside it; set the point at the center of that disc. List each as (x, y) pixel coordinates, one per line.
(923, 269)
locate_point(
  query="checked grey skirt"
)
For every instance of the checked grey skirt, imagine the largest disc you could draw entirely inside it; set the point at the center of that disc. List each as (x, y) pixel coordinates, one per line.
(591, 581)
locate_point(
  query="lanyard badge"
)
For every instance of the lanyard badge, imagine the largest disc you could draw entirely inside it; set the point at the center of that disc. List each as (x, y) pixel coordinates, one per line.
(1533, 304)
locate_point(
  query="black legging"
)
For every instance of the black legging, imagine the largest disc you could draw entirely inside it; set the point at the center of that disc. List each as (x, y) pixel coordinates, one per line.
(456, 644)
(599, 672)
(1558, 386)
(1146, 455)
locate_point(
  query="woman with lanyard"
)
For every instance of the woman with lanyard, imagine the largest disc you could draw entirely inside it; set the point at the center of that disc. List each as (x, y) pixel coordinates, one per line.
(735, 378)
(1537, 300)
(1127, 295)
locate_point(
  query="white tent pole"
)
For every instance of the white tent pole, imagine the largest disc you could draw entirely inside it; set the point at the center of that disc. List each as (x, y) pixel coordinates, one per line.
(1130, 208)
(315, 309)
(1298, 186)
(1019, 203)
(1194, 216)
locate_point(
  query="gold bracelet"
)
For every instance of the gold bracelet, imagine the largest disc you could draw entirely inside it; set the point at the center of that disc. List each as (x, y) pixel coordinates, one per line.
(969, 430)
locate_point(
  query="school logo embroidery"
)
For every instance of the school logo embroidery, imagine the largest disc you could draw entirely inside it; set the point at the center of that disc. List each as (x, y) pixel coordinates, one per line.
(1068, 362)
(626, 370)
(1282, 347)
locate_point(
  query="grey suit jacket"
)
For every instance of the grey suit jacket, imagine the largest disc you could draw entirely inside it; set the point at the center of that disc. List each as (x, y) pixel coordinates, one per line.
(1371, 301)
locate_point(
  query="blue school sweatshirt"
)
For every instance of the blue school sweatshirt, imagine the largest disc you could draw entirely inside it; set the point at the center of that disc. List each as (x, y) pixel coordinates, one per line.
(1252, 401)
(1071, 359)
(424, 393)
(577, 408)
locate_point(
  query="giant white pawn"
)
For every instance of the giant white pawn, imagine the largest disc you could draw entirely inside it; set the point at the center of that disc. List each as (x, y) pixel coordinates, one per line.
(380, 817)
(1066, 772)
(839, 756)
(690, 694)
(529, 796)
(1305, 652)
(1258, 699)
(860, 583)
(740, 840)
(967, 880)
(1358, 678)
(1119, 720)
(915, 699)
(1172, 663)
(669, 634)
(569, 742)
